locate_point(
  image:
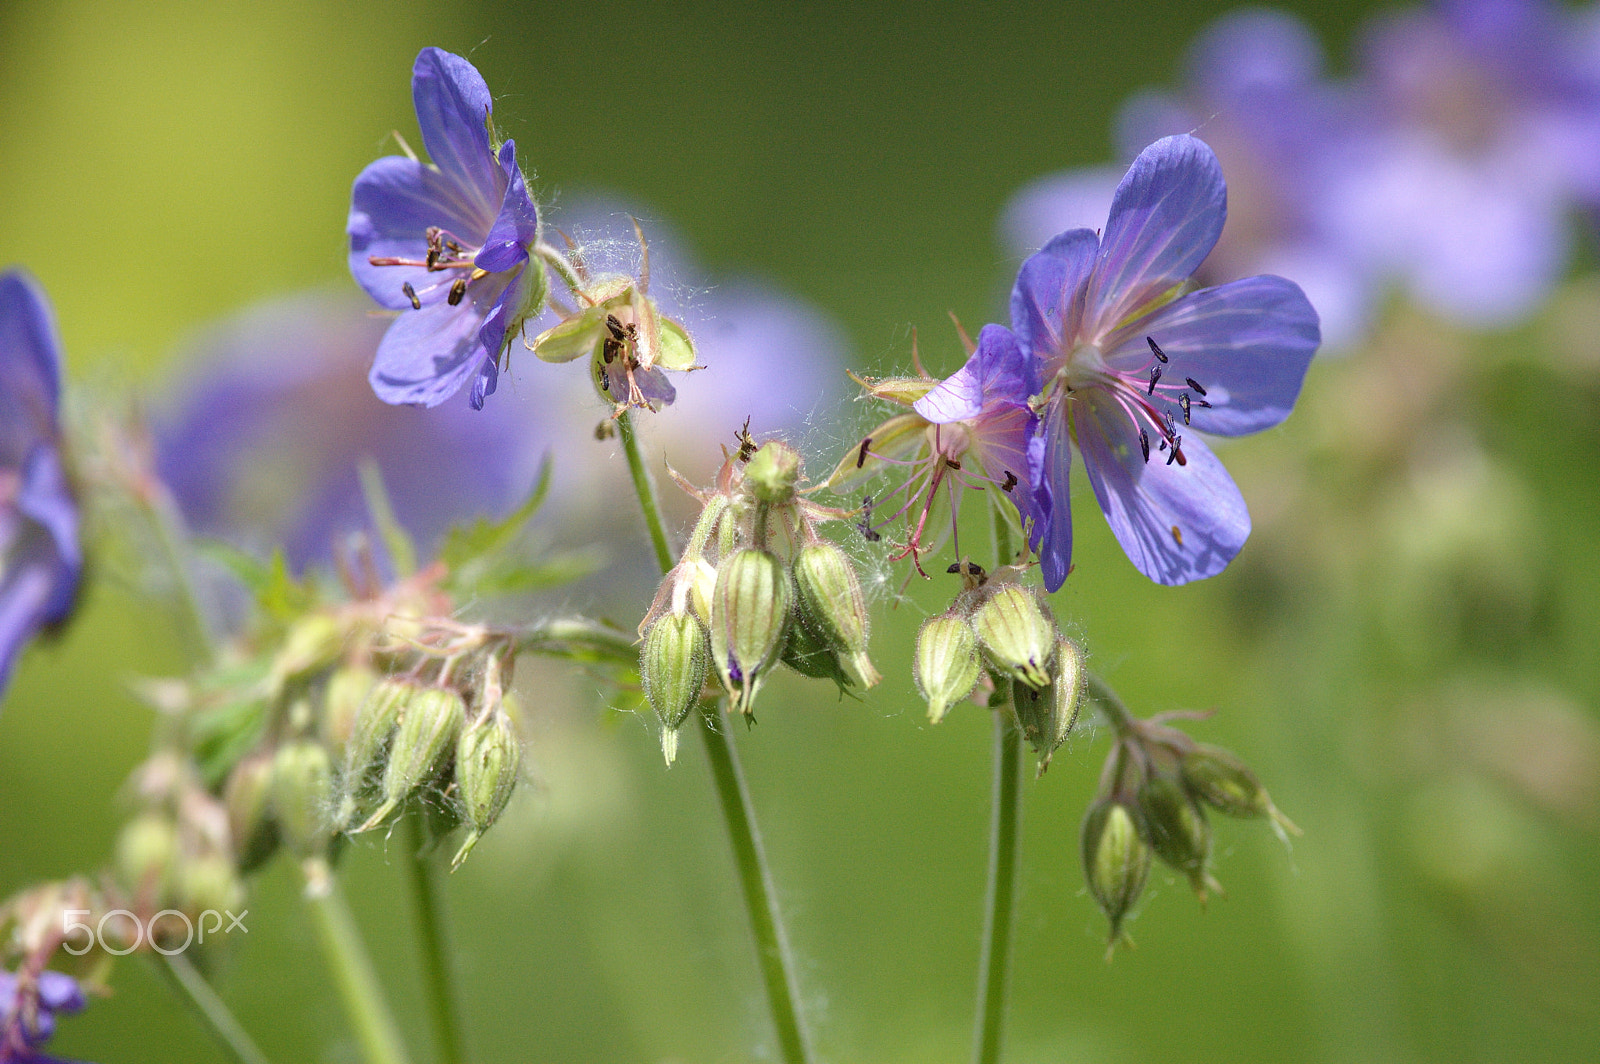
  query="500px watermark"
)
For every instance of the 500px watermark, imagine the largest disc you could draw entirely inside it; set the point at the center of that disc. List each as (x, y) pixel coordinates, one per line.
(130, 932)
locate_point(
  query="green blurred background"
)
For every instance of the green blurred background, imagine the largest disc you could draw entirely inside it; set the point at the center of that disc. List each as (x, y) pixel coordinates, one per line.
(1406, 651)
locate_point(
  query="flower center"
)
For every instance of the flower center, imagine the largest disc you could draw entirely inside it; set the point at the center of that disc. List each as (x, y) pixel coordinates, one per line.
(1152, 396)
(446, 254)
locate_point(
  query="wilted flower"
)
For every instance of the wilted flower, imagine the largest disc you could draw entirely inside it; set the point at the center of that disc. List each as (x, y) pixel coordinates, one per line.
(1124, 364)
(40, 560)
(448, 245)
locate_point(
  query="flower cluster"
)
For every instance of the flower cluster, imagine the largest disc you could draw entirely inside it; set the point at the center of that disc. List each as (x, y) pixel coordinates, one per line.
(1448, 162)
(29, 1004)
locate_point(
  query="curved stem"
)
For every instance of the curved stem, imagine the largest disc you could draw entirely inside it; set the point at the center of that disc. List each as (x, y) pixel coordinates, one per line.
(352, 971)
(1111, 704)
(444, 997)
(733, 797)
(210, 1009)
(644, 485)
(760, 895)
(1005, 821)
(1004, 829)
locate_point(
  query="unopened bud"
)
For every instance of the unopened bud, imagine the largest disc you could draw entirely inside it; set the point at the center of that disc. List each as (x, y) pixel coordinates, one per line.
(342, 701)
(488, 764)
(1017, 634)
(1218, 778)
(1046, 717)
(146, 850)
(302, 794)
(674, 663)
(374, 725)
(429, 725)
(749, 620)
(773, 472)
(313, 642)
(809, 654)
(1116, 862)
(946, 665)
(829, 602)
(1178, 831)
(208, 881)
(248, 797)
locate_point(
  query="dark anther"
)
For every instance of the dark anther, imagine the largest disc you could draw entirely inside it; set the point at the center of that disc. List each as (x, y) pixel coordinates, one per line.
(952, 463)
(458, 292)
(1155, 375)
(1195, 385)
(861, 455)
(1011, 481)
(1144, 444)
(1177, 441)
(1183, 401)
(411, 294)
(972, 568)
(1170, 426)
(1162, 444)
(1155, 349)
(616, 327)
(433, 258)
(867, 532)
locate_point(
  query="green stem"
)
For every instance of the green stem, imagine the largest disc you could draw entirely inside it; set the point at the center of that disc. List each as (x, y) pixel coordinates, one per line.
(444, 999)
(352, 971)
(173, 541)
(1111, 704)
(760, 895)
(755, 877)
(994, 954)
(557, 261)
(644, 485)
(210, 1009)
(1004, 828)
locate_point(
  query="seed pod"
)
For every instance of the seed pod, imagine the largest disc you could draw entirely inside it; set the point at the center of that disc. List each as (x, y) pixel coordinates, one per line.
(208, 881)
(248, 796)
(426, 737)
(374, 726)
(342, 700)
(829, 601)
(674, 663)
(1219, 779)
(773, 472)
(946, 664)
(809, 654)
(488, 764)
(1017, 634)
(302, 792)
(313, 642)
(1177, 829)
(750, 615)
(1046, 716)
(1116, 862)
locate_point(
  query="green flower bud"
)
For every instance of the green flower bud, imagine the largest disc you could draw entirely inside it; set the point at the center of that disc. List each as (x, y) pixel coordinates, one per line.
(1177, 829)
(1017, 634)
(1218, 778)
(342, 702)
(374, 725)
(750, 614)
(674, 663)
(429, 725)
(830, 604)
(773, 472)
(302, 793)
(313, 642)
(488, 763)
(1046, 716)
(1116, 862)
(946, 664)
(207, 881)
(248, 797)
(146, 851)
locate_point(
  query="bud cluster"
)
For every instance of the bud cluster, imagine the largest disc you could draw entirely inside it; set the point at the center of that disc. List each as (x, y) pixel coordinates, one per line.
(755, 587)
(1005, 627)
(1152, 802)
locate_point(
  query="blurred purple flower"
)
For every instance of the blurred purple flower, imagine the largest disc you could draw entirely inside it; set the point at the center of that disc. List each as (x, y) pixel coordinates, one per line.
(40, 560)
(28, 1018)
(1122, 365)
(262, 444)
(447, 245)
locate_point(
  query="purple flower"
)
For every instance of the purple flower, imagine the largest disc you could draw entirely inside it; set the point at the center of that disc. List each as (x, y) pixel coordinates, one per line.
(28, 1013)
(448, 245)
(40, 560)
(1123, 366)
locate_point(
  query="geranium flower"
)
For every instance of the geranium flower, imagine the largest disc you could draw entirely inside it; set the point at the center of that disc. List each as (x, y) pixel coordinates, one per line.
(28, 1010)
(40, 560)
(448, 245)
(1126, 367)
